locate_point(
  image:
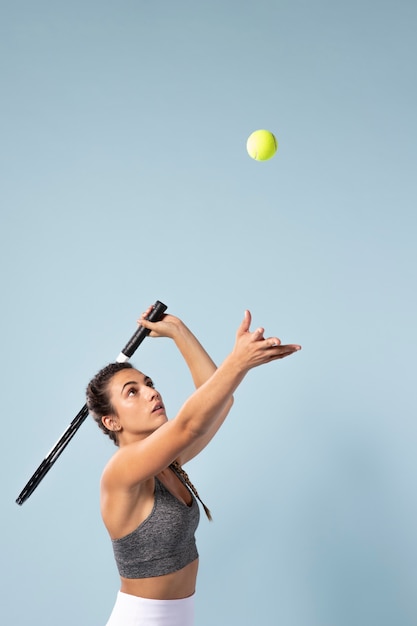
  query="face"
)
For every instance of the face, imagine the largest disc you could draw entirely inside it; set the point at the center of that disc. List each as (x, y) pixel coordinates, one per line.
(138, 406)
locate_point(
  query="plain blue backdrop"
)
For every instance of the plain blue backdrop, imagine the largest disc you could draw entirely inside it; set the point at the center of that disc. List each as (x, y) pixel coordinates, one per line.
(125, 179)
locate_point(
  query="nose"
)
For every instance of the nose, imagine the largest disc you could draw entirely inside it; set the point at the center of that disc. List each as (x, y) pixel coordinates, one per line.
(153, 394)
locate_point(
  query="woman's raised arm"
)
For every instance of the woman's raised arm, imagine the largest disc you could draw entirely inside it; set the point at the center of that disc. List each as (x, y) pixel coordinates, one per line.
(199, 415)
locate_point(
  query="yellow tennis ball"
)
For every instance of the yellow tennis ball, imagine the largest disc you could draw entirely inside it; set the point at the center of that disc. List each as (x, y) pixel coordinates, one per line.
(261, 145)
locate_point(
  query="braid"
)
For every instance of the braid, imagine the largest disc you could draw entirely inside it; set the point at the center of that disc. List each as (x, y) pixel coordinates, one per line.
(183, 474)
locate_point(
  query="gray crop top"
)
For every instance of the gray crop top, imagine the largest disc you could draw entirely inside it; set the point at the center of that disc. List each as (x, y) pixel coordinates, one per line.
(164, 542)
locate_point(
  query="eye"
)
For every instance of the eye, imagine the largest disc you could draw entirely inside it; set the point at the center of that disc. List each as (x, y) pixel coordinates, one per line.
(150, 383)
(132, 391)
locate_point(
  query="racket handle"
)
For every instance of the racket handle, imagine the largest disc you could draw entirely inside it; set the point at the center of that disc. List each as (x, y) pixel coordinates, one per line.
(134, 342)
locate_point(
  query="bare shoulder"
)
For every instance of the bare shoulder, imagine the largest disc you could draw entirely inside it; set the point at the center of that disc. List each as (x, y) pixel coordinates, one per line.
(109, 476)
(126, 469)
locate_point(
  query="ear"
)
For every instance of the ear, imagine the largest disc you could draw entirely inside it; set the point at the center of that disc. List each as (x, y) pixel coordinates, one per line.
(111, 422)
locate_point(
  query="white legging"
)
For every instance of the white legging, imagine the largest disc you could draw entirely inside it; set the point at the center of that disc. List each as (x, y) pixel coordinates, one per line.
(133, 611)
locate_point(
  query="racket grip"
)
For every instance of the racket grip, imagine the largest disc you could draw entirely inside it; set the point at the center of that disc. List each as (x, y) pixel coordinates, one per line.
(134, 342)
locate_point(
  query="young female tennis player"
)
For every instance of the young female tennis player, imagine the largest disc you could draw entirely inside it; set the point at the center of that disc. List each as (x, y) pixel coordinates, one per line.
(148, 503)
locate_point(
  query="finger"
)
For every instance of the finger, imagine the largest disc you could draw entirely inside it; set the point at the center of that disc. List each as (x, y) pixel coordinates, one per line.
(273, 342)
(258, 334)
(145, 323)
(280, 352)
(144, 315)
(147, 312)
(244, 326)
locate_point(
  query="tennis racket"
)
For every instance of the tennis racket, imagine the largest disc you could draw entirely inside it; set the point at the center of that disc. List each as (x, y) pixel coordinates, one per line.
(157, 312)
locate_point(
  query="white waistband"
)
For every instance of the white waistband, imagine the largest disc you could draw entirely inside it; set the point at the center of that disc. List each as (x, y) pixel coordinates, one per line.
(134, 611)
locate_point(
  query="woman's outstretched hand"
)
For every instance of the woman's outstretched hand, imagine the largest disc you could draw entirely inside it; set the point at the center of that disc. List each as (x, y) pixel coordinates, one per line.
(252, 348)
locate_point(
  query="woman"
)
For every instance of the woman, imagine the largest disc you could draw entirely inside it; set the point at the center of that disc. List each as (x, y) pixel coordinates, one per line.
(148, 504)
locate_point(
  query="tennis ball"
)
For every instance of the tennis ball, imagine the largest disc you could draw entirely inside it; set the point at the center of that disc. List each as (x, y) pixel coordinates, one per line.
(261, 145)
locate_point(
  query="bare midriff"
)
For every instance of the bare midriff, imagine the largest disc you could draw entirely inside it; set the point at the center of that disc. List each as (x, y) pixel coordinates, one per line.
(172, 586)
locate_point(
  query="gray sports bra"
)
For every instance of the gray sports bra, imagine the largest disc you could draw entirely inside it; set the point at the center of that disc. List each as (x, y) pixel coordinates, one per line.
(164, 542)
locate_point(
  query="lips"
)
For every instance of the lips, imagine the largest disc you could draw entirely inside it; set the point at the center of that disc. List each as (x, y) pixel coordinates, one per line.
(158, 407)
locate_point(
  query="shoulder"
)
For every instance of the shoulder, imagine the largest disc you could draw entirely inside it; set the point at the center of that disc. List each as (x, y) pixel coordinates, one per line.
(109, 472)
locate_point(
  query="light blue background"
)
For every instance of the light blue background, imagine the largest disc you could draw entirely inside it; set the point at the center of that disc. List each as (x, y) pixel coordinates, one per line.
(125, 179)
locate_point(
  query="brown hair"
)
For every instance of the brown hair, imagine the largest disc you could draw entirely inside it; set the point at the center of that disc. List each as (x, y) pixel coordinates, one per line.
(98, 398)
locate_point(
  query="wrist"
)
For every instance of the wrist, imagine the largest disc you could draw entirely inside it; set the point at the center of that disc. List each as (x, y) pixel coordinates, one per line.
(181, 332)
(236, 365)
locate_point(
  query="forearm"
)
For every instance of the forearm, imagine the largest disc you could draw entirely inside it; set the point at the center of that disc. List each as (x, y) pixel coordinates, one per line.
(199, 362)
(202, 368)
(201, 411)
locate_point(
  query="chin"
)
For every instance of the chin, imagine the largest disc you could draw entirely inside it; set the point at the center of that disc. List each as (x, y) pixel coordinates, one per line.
(161, 419)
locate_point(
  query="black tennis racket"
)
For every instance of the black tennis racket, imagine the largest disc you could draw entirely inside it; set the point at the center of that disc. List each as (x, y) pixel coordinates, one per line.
(157, 312)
